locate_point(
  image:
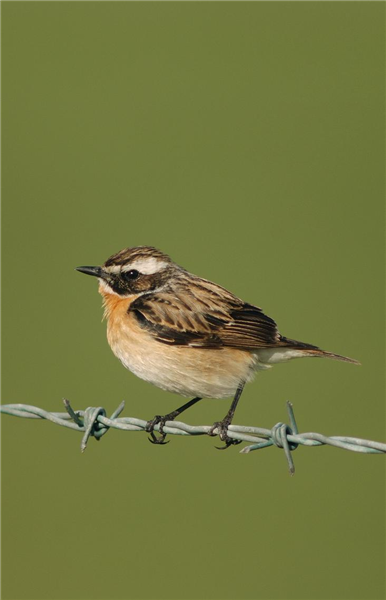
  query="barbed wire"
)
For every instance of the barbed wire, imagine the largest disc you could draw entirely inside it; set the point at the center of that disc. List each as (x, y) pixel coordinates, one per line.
(93, 422)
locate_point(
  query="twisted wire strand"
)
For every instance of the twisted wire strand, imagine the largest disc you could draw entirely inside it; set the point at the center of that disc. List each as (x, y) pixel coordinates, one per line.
(93, 422)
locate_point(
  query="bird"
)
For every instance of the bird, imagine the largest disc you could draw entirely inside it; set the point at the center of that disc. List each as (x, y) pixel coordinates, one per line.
(188, 335)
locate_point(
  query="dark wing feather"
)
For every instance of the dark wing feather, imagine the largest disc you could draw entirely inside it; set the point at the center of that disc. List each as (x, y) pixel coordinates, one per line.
(204, 315)
(174, 335)
(249, 329)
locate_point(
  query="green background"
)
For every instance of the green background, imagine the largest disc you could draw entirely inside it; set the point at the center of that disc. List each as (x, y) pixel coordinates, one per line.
(245, 140)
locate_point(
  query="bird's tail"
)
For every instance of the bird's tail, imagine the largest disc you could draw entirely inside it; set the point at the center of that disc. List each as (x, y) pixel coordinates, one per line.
(310, 350)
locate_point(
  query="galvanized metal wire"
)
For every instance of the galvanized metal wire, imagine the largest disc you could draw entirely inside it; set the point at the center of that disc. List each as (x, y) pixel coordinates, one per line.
(93, 422)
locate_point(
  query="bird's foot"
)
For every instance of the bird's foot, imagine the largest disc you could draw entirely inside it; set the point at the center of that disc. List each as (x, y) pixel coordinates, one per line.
(222, 432)
(158, 420)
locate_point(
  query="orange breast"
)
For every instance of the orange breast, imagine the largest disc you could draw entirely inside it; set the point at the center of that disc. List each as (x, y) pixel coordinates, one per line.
(115, 306)
(124, 335)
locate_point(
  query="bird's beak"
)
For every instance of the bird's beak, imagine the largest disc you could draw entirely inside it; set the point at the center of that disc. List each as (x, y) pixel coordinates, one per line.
(95, 271)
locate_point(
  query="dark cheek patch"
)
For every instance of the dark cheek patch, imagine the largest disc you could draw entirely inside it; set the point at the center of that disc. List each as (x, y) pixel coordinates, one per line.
(119, 286)
(149, 283)
(144, 283)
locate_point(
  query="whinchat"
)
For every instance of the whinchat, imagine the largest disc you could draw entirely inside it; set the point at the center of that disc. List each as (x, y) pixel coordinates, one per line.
(186, 334)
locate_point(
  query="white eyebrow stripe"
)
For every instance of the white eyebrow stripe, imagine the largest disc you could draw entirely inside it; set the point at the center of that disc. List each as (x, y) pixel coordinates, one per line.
(113, 269)
(147, 266)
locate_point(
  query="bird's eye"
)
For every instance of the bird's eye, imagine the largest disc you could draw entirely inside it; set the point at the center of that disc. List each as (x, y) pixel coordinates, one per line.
(130, 275)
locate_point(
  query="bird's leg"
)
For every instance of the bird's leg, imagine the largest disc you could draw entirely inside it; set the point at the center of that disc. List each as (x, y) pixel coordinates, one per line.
(162, 420)
(222, 426)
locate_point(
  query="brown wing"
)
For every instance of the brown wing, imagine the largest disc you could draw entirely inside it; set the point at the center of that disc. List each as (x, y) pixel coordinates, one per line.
(204, 315)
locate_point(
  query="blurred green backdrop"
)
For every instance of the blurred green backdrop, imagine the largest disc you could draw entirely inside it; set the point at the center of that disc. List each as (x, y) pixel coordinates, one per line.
(247, 141)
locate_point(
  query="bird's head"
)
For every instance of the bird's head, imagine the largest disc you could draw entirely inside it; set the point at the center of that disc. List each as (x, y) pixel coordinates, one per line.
(133, 271)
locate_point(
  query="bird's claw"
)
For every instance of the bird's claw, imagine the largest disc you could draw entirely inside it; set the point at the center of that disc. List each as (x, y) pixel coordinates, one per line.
(158, 440)
(228, 443)
(222, 432)
(157, 420)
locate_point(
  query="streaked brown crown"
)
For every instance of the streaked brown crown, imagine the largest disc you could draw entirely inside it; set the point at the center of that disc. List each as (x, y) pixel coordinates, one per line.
(130, 254)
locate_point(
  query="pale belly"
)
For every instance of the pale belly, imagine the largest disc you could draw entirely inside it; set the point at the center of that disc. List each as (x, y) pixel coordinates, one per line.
(190, 372)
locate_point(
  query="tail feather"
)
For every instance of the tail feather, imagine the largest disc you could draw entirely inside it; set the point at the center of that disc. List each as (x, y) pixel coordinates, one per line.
(310, 350)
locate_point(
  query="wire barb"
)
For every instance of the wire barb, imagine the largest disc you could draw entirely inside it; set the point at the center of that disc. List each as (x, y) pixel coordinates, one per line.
(90, 423)
(93, 422)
